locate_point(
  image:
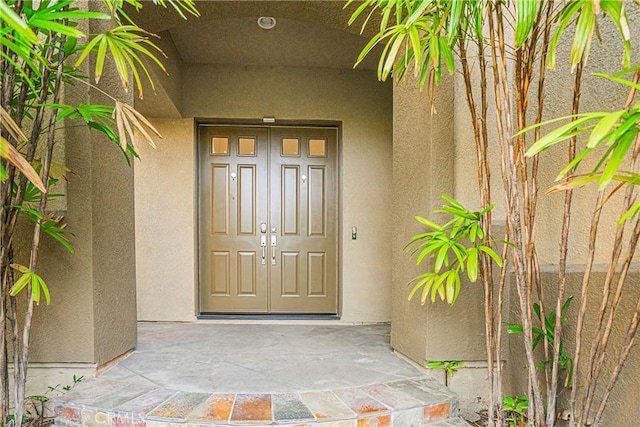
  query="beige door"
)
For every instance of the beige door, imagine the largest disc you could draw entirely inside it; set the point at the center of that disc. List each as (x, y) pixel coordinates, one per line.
(268, 220)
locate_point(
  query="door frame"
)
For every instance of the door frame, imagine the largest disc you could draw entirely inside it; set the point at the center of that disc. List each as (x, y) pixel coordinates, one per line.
(196, 214)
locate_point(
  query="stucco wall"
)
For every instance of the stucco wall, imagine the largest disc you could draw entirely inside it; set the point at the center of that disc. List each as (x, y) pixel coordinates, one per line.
(623, 409)
(441, 333)
(423, 161)
(597, 94)
(166, 193)
(92, 318)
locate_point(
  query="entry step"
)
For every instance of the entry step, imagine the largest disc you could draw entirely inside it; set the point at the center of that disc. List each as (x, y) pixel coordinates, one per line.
(414, 402)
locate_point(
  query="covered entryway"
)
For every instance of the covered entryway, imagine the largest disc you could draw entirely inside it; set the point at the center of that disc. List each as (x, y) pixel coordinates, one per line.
(225, 71)
(268, 219)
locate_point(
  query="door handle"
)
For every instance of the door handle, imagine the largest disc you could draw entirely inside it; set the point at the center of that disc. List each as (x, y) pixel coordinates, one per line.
(263, 244)
(273, 250)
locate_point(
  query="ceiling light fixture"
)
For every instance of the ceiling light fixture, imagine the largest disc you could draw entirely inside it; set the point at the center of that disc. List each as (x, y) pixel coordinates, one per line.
(266, 22)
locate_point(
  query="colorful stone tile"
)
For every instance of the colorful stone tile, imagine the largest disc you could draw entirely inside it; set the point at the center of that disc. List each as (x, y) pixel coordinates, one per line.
(90, 390)
(359, 402)
(156, 423)
(439, 412)
(92, 418)
(216, 408)
(408, 418)
(112, 400)
(127, 421)
(343, 423)
(179, 406)
(394, 399)
(145, 403)
(290, 407)
(383, 421)
(412, 389)
(325, 405)
(68, 413)
(431, 385)
(252, 407)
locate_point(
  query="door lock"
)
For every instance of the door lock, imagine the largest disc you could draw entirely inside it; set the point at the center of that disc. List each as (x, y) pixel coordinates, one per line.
(263, 244)
(273, 249)
(263, 227)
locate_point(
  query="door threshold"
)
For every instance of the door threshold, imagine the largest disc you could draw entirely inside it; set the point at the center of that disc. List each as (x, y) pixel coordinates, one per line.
(277, 316)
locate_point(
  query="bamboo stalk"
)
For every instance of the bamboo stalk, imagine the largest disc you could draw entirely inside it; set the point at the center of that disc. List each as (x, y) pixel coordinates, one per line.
(562, 268)
(512, 203)
(488, 290)
(21, 374)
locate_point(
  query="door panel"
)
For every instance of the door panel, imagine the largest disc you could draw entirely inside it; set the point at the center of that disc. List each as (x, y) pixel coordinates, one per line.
(233, 202)
(284, 178)
(304, 213)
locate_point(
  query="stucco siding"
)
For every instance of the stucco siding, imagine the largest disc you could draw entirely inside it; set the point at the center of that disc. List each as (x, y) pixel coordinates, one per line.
(166, 192)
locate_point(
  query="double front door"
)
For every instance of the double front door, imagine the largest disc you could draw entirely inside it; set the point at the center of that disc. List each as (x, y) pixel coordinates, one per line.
(268, 220)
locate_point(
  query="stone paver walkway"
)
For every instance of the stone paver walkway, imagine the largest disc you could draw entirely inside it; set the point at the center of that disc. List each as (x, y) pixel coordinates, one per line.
(237, 375)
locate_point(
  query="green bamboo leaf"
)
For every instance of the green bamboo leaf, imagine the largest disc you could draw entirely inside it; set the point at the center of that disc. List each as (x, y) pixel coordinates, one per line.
(525, 19)
(35, 288)
(574, 163)
(566, 17)
(604, 126)
(583, 35)
(515, 328)
(492, 254)
(617, 79)
(616, 10)
(453, 202)
(9, 17)
(398, 41)
(86, 50)
(472, 264)
(418, 285)
(20, 284)
(629, 214)
(55, 27)
(417, 13)
(441, 259)
(441, 292)
(416, 46)
(425, 291)
(617, 156)
(45, 291)
(460, 252)
(365, 5)
(426, 251)
(21, 268)
(450, 289)
(563, 132)
(565, 306)
(473, 231)
(629, 122)
(447, 53)
(428, 223)
(458, 285)
(455, 13)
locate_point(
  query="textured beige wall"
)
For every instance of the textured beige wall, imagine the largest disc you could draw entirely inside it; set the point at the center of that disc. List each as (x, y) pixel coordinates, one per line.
(623, 409)
(442, 333)
(423, 161)
(166, 278)
(597, 95)
(93, 313)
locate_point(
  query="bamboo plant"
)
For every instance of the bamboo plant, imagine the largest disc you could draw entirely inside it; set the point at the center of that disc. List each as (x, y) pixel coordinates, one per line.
(502, 50)
(42, 49)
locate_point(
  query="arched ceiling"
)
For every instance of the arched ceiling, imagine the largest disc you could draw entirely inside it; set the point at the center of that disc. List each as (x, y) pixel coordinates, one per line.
(307, 34)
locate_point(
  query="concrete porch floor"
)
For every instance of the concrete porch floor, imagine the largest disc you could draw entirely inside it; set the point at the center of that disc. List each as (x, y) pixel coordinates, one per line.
(260, 374)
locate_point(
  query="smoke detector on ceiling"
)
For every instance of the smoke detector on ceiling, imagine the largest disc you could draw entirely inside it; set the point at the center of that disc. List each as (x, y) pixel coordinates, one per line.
(266, 22)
